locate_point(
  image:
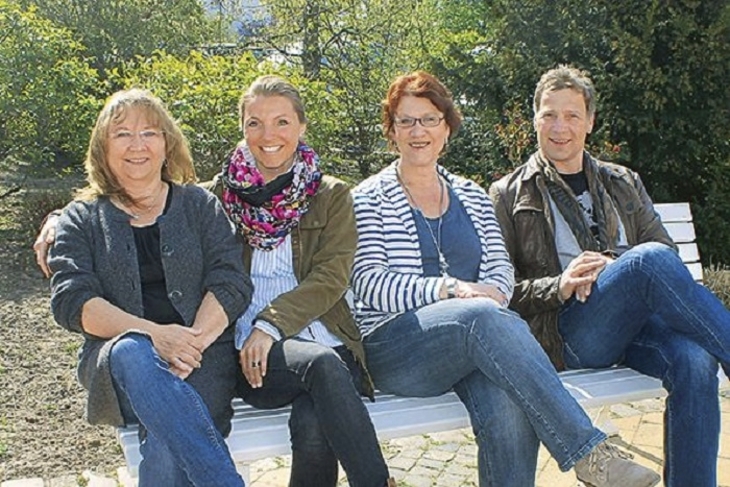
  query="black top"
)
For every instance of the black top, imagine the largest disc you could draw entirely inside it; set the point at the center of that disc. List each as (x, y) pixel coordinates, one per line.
(578, 182)
(157, 305)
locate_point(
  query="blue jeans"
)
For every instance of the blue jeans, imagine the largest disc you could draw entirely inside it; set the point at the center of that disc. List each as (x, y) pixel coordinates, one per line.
(181, 445)
(488, 356)
(646, 312)
(328, 422)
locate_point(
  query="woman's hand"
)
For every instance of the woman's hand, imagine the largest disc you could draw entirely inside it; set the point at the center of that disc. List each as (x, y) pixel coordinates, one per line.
(44, 241)
(480, 290)
(178, 346)
(254, 356)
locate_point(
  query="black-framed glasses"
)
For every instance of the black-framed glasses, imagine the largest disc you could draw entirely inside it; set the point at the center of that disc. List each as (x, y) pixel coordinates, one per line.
(426, 121)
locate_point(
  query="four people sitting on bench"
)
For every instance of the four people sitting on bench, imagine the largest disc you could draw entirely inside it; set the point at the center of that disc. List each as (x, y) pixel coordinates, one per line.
(433, 276)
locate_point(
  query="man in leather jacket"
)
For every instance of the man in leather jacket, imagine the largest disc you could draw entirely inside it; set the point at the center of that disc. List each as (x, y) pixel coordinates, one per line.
(599, 279)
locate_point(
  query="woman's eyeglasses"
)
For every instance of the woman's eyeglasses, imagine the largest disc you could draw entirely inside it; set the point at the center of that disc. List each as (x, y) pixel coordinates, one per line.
(126, 137)
(427, 121)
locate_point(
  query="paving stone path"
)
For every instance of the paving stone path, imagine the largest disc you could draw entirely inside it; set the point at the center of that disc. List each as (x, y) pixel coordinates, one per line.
(449, 459)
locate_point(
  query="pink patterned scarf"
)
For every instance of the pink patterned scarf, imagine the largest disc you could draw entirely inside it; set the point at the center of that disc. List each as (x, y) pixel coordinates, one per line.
(266, 213)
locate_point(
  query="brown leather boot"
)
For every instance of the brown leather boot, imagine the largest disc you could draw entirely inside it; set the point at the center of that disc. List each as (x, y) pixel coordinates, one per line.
(391, 482)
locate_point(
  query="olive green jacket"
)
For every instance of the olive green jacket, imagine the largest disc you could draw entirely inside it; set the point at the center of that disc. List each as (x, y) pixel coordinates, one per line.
(522, 206)
(323, 249)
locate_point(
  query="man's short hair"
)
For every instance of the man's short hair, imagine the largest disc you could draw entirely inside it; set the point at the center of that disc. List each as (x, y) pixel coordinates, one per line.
(562, 77)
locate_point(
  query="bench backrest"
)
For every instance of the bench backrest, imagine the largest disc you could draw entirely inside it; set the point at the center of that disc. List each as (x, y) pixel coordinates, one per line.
(677, 219)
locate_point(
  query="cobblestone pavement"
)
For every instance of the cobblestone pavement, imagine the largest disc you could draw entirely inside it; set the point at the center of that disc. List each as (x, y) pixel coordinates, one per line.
(449, 459)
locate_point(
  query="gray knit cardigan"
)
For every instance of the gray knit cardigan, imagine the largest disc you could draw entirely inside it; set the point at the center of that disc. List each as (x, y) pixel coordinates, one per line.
(95, 256)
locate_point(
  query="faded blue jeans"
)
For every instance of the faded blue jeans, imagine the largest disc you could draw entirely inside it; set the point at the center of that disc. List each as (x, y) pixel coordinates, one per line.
(328, 421)
(488, 356)
(646, 312)
(181, 445)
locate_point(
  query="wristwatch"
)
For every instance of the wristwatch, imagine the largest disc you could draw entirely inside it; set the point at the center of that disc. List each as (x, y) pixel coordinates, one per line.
(450, 287)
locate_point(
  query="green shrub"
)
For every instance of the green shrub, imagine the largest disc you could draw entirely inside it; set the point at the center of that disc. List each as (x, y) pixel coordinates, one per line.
(48, 95)
(717, 278)
(202, 92)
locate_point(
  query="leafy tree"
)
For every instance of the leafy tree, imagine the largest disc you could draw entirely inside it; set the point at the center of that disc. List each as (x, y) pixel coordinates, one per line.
(114, 31)
(661, 70)
(355, 47)
(47, 91)
(203, 92)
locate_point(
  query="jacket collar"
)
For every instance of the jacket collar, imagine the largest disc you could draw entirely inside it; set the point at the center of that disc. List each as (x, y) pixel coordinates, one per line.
(532, 168)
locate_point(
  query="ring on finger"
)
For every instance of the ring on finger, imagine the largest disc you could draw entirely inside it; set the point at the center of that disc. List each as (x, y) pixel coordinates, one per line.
(256, 364)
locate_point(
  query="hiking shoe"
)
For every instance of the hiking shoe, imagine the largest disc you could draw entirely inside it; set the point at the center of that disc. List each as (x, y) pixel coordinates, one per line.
(607, 466)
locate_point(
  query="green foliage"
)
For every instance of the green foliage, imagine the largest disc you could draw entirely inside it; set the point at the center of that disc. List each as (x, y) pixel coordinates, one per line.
(355, 48)
(660, 68)
(202, 92)
(114, 31)
(47, 91)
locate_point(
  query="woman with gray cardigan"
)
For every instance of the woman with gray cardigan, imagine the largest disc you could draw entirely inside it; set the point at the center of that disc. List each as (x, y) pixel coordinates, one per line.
(147, 268)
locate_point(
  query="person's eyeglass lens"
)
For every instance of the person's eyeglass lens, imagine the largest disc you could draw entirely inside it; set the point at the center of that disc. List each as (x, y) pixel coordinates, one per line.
(427, 121)
(127, 136)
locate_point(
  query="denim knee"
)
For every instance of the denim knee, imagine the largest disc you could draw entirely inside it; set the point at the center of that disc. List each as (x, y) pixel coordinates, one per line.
(651, 255)
(327, 367)
(491, 318)
(131, 353)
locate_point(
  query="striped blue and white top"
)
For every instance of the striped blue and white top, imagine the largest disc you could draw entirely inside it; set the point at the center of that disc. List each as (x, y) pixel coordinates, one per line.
(387, 277)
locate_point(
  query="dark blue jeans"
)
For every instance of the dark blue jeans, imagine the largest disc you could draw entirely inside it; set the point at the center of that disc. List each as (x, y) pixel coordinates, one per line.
(488, 356)
(328, 422)
(180, 443)
(646, 312)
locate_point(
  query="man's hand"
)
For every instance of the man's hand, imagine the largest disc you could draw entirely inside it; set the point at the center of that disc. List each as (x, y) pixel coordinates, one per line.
(254, 356)
(44, 241)
(581, 273)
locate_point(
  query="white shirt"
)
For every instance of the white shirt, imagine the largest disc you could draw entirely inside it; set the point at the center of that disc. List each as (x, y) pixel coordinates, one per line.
(272, 273)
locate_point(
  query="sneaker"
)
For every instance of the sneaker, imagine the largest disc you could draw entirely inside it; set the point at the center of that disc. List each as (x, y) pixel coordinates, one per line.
(607, 466)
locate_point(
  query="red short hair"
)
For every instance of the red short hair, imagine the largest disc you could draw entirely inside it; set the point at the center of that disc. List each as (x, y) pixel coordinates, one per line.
(424, 85)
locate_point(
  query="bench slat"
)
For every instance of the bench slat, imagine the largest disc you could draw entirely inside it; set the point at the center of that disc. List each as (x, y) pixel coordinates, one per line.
(674, 212)
(696, 270)
(681, 232)
(689, 252)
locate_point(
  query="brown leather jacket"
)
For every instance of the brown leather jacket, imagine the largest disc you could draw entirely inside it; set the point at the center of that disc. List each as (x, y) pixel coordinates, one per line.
(323, 250)
(523, 210)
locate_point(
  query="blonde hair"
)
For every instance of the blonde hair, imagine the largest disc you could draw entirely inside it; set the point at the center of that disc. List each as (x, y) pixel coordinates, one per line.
(272, 85)
(178, 166)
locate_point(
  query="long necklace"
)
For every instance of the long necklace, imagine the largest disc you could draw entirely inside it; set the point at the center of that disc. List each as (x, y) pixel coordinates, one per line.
(443, 265)
(139, 214)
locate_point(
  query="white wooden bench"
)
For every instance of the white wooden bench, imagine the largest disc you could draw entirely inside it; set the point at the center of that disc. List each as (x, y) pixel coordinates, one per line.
(259, 434)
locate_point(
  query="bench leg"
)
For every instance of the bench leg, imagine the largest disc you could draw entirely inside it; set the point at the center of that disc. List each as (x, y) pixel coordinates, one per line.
(126, 478)
(245, 470)
(602, 421)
